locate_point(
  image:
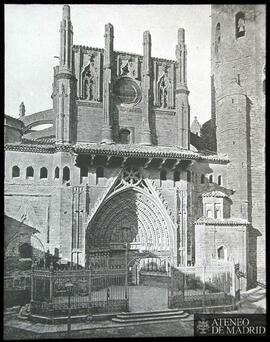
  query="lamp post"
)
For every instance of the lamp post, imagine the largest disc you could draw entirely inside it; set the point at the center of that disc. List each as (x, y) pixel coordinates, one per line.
(69, 287)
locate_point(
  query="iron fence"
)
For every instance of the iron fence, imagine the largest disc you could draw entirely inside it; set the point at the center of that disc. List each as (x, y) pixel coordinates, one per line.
(93, 291)
(203, 286)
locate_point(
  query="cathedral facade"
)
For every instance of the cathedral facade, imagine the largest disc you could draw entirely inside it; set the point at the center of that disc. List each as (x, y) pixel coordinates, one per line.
(119, 168)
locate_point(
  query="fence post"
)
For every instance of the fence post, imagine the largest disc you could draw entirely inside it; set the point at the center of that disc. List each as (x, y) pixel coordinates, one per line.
(32, 283)
(203, 287)
(184, 284)
(233, 285)
(89, 289)
(126, 277)
(51, 283)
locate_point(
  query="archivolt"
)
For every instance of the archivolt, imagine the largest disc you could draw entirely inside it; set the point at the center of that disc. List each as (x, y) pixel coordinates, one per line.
(130, 215)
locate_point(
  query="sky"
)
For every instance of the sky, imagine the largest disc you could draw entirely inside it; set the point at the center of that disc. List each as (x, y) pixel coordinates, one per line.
(32, 40)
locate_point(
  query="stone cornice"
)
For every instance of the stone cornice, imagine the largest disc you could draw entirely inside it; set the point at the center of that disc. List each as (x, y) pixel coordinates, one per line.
(129, 151)
(221, 222)
(146, 152)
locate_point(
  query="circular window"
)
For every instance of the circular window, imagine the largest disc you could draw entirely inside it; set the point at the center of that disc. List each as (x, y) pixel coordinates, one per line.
(126, 91)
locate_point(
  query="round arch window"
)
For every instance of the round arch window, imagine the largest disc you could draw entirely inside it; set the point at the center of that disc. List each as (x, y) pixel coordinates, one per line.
(126, 91)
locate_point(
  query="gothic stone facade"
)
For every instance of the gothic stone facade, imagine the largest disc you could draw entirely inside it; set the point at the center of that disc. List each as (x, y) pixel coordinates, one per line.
(120, 165)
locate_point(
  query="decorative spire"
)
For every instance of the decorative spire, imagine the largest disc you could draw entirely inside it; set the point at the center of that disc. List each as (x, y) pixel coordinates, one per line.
(66, 12)
(108, 45)
(22, 110)
(66, 40)
(181, 56)
(146, 52)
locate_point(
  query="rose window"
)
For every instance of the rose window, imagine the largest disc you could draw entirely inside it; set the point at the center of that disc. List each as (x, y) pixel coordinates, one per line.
(131, 175)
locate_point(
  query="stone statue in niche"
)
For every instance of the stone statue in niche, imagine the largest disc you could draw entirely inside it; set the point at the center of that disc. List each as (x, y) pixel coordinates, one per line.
(164, 86)
(163, 93)
(241, 25)
(89, 80)
(128, 68)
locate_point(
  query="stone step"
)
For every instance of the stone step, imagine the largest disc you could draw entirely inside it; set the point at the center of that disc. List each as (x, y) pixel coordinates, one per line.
(150, 319)
(149, 314)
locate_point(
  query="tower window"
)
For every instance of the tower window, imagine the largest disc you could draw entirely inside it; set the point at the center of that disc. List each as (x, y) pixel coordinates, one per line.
(15, 172)
(217, 38)
(240, 29)
(29, 172)
(56, 172)
(124, 136)
(188, 176)
(99, 173)
(211, 179)
(221, 252)
(66, 174)
(43, 173)
(176, 176)
(219, 180)
(264, 71)
(202, 179)
(238, 79)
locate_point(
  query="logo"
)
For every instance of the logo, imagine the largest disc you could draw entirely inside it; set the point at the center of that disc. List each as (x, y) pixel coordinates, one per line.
(203, 326)
(229, 324)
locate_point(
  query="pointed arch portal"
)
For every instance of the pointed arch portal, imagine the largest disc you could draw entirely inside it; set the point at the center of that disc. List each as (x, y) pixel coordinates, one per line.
(132, 216)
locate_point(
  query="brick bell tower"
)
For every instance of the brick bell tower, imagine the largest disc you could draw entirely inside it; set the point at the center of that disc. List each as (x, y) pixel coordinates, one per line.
(65, 84)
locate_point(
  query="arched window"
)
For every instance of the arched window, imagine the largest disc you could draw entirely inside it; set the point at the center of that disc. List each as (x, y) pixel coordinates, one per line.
(221, 252)
(124, 136)
(264, 71)
(217, 38)
(202, 179)
(188, 176)
(99, 173)
(66, 174)
(29, 172)
(163, 175)
(240, 28)
(43, 173)
(15, 171)
(219, 180)
(209, 213)
(176, 176)
(211, 179)
(25, 251)
(56, 172)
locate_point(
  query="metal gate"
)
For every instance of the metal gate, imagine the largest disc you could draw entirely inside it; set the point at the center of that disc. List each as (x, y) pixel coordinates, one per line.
(109, 290)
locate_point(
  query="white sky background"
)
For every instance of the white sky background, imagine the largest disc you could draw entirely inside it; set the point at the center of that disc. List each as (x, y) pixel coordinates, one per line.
(32, 39)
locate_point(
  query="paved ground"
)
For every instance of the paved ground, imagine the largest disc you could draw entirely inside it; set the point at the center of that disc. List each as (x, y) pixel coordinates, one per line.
(104, 329)
(147, 298)
(253, 301)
